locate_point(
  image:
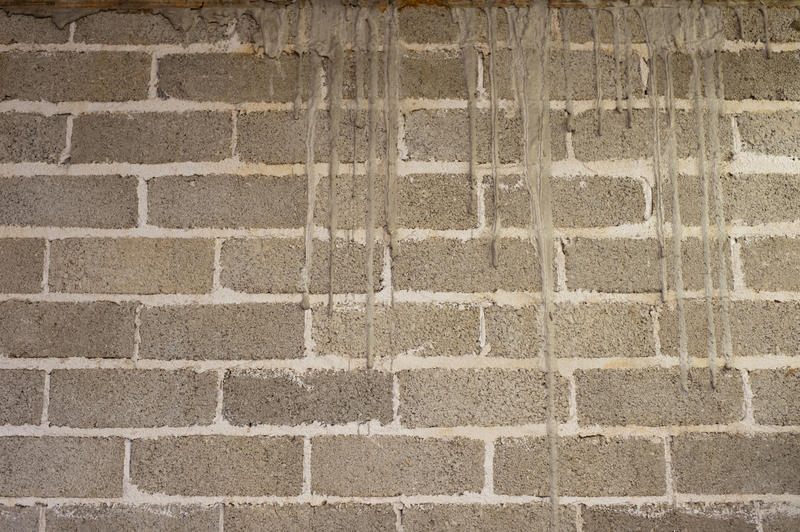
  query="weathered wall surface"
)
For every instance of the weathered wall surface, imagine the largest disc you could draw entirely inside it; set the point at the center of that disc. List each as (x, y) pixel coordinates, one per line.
(157, 369)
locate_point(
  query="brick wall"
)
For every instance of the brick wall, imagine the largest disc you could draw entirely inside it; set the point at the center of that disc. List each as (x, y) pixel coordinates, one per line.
(157, 369)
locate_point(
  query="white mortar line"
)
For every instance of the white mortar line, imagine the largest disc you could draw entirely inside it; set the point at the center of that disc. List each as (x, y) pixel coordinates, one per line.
(578, 518)
(234, 132)
(221, 527)
(45, 421)
(670, 488)
(572, 417)
(46, 267)
(308, 333)
(398, 517)
(141, 203)
(71, 37)
(126, 471)
(561, 266)
(484, 348)
(396, 400)
(137, 332)
(737, 267)
(219, 417)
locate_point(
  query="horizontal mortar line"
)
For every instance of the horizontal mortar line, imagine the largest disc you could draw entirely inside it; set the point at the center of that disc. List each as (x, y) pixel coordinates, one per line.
(144, 499)
(634, 231)
(344, 301)
(743, 163)
(566, 366)
(376, 429)
(407, 104)
(734, 46)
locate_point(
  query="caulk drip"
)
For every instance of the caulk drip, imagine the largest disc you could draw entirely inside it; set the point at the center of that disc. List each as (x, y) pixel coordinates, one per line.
(738, 12)
(598, 81)
(767, 46)
(652, 92)
(529, 29)
(563, 12)
(628, 77)
(466, 41)
(300, 49)
(372, 139)
(616, 21)
(311, 127)
(491, 18)
(391, 117)
(695, 50)
(714, 111)
(335, 112)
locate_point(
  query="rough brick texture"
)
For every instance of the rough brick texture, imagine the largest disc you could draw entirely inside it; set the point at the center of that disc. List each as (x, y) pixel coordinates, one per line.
(160, 367)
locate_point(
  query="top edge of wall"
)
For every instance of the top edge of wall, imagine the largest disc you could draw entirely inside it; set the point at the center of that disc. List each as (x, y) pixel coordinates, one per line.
(216, 4)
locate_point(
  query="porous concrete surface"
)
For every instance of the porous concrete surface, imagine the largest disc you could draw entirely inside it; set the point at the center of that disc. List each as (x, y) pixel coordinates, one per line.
(99, 517)
(645, 397)
(160, 369)
(448, 398)
(301, 517)
(235, 332)
(118, 398)
(218, 465)
(289, 398)
(593, 466)
(81, 201)
(395, 465)
(736, 463)
(42, 329)
(21, 397)
(61, 466)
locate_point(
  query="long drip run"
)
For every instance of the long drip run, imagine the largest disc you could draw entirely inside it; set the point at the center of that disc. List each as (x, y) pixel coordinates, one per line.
(699, 111)
(466, 23)
(628, 76)
(598, 81)
(652, 92)
(491, 18)
(677, 226)
(312, 180)
(391, 116)
(301, 45)
(714, 97)
(335, 111)
(372, 135)
(765, 19)
(529, 28)
(616, 21)
(563, 12)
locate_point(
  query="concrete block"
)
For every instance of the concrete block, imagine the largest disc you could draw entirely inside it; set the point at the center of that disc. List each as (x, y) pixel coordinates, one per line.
(772, 263)
(98, 517)
(28, 137)
(484, 517)
(775, 396)
(21, 394)
(713, 518)
(111, 27)
(776, 133)
(22, 265)
(303, 517)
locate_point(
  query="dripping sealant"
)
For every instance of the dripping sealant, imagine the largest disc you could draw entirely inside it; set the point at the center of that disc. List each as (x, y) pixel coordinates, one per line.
(617, 43)
(563, 12)
(466, 23)
(598, 82)
(529, 30)
(491, 18)
(335, 111)
(391, 117)
(311, 126)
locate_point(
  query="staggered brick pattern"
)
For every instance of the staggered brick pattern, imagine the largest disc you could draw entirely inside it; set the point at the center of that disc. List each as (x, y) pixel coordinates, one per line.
(157, 369)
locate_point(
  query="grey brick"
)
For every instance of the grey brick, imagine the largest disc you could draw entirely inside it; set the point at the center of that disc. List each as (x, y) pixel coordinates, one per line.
(776, 133)
(772, 263)
(446, 397)
(653, 396)
(83, 201)
(112, 27)
(75, 76)
(783, 26)
(218, 465)
(100, 517)
(61, 467)
(736, 463)
(131, 265)
(589, 466)
(484, 517)
(22, 265)
(433, 74)
(273, 265)
(750, 75)
(231, 77)
(404, 328)
(395, 465)
(304, 517)
(151, 137)
(514, 332)
(232, 332)
(30, 29)
(290, 398)
(131, 398)
(92, 330)
(28, 137)
(21, 396)
(775, 396)
(435, 201)
(603, 330)
(441, 264)
(226, 201)
(350, 195)
(276, 137)
(655, 518)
